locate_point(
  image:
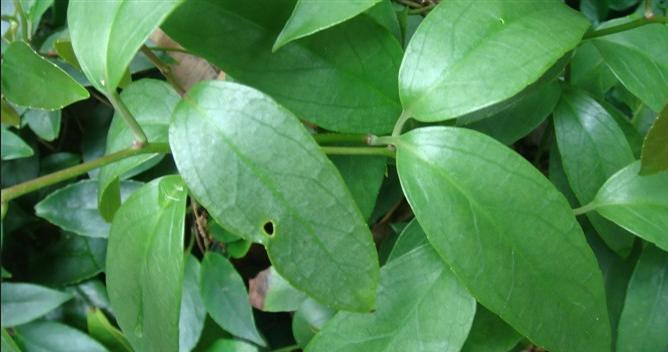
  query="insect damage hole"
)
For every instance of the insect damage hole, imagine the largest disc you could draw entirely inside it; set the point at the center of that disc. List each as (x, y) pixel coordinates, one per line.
(269, 228)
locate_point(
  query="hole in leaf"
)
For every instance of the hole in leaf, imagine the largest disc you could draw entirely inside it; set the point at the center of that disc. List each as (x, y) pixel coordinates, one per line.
(268, 228)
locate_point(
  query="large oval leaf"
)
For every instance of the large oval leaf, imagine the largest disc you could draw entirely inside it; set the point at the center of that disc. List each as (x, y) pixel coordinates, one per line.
(637, 203)
(469, 55)
(311, 16)
(644, 321)
(421, 307)
(107, 34)
(592, 148)
(256, 169)
(145, 264)
(23, 303)
(32, 81)
(654, 156)
(55, 337)
(484, 209)
(343, 78)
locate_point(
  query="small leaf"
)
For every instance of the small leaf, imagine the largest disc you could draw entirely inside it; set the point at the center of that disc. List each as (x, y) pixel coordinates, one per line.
(263, 183)
(55, 337)
(145, 264)
(9, 115)
(311, 16)
(444, 76)
(269, 292)
(101, 329)
(193, 312)
(30, 80)
(639, 59)
(64, 49)
(644, 321)
(106, 35)
(223, 291)
(45, 124)
(494, 234)
(421, 306)
(587, 135)
(74, 208)
(23, 303)
(151, 102)
(654, 155)
(13, 147)
(490, 334)
(637, 203)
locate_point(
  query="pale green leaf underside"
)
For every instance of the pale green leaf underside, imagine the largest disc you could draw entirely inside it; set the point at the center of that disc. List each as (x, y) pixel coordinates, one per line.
(55, 337)
(484, 209)
(22, 303)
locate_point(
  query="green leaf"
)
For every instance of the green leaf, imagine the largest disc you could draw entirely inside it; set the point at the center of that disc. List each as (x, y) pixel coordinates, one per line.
(101, 329)
(74, 208)
(45, 124)
(421, 306)
(636, 203)
(516, 121)
(106, 35)
(590, 72)
(363, 176)
(444, 76)
(30, 80)
(229, 345)
(490, 334)
(639, 59)
(624, 123)
(7, 343)
(308, 320)
(223, 291)
(152, 103)
(483, 209)
(644, 322)
(342, 79)
(23, 303)
(654, 156)
(587, 135)
(193, 312)
(311, 16)
(34, 9)
(9, 115)
(64, 49)
(383, 13)
(145, 264)
(55, 337)
(263, 182)
(269, 292)
(13, 147)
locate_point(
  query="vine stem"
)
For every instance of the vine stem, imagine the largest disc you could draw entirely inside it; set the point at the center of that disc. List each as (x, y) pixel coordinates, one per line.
(343, 138)
(399, 126)
(163, 68)
(74, 171)
(117, 103)
(382, 151)
(626, 26)
(584, 209)
(163, 48)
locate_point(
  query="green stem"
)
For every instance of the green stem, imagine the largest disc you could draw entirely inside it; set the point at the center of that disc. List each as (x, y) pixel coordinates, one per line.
(399, 126)
(358, 151)
(74, 171)
(625, 27)
(117, 103)
(584, 209)
(25, 32)
(164, 69)
(343, 138)
(162, 48)
(287, 348)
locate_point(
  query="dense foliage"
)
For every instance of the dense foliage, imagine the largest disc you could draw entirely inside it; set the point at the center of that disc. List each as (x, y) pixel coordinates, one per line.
(352, 175)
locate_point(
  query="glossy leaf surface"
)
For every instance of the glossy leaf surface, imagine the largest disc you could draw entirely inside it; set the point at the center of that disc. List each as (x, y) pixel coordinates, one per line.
(45, 124)
(536, 272)
(343, 79)
(106, 35)
(654, 156)
(13, 147)
(590, 72)
(145, 264)
(263, 183)
(101, 329)
(23, 303)
(55, 337)
(446, 71)
(24, 80)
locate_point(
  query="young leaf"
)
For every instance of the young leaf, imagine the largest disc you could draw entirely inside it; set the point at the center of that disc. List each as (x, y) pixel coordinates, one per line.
(193, 312)
(311, 16)
(654, 155)
(145, 264)
(223, 291)
(639, 59)
(363, 176)
(637, 203)
(490, 334)
(269, 292)
(535, 271)
(55, 337)
(106, 35)
(343, 79)
(13, 147)
(74, 208)
(45, 124)
(263, 182)
(444, 76)
(421, 306)
(30, 80)
(23, 303)
(9, 115)
(151, 102)
(644, 321)
(587, 135)
(101, 329)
